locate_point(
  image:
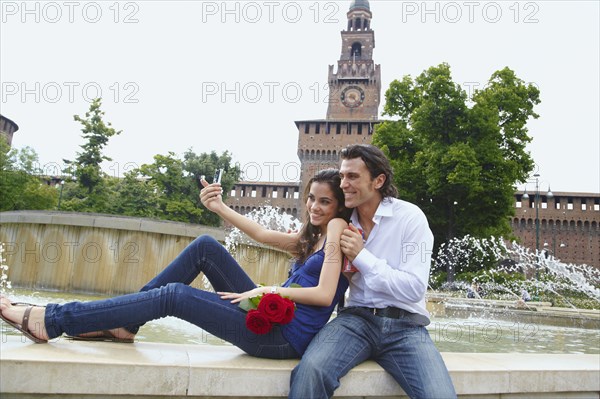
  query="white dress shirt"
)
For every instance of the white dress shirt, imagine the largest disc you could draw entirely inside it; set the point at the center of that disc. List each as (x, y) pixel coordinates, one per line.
(395, 262)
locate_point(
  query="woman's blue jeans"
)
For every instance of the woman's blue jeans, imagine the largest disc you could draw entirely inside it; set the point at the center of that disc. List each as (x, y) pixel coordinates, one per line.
(402, 348)
(169, 294)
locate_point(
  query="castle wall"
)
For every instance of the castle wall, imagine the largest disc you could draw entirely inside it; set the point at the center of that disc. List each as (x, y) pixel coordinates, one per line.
(247, 196)
(568, 228)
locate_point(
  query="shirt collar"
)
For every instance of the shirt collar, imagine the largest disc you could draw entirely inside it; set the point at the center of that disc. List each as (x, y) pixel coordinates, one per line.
(385, 209)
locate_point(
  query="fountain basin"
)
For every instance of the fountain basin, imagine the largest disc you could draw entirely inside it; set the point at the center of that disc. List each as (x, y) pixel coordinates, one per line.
(440, 305)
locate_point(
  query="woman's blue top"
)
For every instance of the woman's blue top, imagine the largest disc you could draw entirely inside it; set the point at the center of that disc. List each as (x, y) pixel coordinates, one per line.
(309, 319)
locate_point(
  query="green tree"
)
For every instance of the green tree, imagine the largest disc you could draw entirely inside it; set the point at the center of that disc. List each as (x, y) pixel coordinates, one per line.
(206, 164)
(92, 195)
(170, 186)
(459, 163)
(20, 183)
(135, 197)
(166, 177)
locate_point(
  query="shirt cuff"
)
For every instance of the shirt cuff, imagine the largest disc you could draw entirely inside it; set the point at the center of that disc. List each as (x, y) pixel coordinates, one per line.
(365, 261)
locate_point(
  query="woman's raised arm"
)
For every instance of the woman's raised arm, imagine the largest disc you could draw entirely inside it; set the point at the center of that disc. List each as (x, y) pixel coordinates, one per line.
(211, 198)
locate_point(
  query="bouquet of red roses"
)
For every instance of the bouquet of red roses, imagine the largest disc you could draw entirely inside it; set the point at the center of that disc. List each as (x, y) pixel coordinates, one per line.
(266, 309)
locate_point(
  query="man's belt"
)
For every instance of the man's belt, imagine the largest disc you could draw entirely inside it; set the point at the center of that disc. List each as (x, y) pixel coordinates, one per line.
(391, 312)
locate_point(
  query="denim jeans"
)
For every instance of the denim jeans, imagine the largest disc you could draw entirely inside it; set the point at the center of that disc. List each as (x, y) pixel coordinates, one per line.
(402, 348)
(169, 294)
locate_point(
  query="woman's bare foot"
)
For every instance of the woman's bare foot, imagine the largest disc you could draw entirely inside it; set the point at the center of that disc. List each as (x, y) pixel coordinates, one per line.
(16, 314)
(118, 333)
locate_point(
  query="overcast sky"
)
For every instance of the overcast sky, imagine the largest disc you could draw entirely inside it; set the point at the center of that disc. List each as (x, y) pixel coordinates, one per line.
(236, 75)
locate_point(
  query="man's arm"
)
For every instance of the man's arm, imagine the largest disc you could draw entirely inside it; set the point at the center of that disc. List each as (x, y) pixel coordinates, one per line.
(408, 279)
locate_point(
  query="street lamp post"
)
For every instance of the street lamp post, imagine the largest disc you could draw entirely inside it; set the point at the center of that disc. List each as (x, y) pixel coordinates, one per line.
(536, 204)
(62, 185)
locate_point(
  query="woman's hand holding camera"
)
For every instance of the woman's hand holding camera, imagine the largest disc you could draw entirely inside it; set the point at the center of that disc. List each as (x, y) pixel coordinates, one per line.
(211, 195)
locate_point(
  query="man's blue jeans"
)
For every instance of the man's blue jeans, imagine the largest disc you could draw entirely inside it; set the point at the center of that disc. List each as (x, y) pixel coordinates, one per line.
(402, 348)
(169, 294)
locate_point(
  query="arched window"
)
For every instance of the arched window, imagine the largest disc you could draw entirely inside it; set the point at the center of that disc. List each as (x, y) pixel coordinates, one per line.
(356, 50)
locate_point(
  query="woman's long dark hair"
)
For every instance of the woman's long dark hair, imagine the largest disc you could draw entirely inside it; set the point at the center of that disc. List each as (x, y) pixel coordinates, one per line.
(309, 235)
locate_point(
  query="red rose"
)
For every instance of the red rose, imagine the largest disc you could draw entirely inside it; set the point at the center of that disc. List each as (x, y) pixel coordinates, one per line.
(274, 307)
(257, 322)
(290, 307)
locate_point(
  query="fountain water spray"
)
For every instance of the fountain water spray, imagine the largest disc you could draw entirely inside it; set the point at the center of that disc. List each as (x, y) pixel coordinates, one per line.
(5, 284)
(267, 216)
(555, 276)
(512, 268)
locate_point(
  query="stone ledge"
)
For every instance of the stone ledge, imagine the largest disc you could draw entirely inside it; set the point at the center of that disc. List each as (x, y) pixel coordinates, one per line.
(86, 369)
(111, 222)
(496, 303)
(443, 305)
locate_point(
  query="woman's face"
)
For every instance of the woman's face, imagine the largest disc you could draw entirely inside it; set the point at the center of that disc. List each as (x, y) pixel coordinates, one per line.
(322, 206)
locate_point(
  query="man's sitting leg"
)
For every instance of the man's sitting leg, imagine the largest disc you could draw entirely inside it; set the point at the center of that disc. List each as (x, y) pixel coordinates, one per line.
(335, 350)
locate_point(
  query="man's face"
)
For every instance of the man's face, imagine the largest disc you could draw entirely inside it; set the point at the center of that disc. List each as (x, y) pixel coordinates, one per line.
(357, 185)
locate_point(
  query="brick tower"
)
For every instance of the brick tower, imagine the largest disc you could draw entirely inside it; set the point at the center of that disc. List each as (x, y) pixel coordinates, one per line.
(7, 129)
(352, 113)
(354, 90)
(354, 96)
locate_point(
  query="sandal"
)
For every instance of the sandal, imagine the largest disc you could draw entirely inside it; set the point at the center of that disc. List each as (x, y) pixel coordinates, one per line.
(24, 326)
(105, 336)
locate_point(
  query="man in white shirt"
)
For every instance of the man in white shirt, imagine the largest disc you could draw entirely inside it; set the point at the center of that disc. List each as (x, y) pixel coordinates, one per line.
(385, 316)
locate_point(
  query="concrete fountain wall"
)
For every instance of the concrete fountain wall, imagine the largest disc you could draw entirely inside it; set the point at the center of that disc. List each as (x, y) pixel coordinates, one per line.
(89, 253)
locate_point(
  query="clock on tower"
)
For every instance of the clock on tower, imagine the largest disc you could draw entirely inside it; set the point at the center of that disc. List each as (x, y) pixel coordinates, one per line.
(354, 88)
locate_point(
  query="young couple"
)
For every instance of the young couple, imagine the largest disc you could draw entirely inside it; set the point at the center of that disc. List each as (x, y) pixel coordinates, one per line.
(385, 313)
